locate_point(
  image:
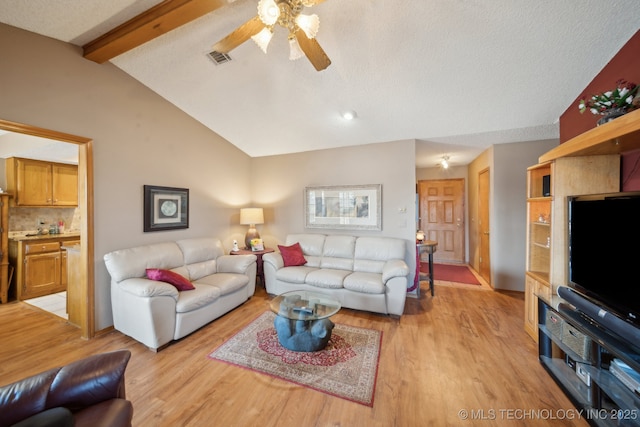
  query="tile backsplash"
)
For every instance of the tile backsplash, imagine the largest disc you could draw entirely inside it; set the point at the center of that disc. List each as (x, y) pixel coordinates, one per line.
(26, 219)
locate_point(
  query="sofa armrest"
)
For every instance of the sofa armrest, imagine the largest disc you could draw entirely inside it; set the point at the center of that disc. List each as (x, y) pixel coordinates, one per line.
(147, 288)
(90, 381)
(75, 386)
(394, 268)
(235, 263)
(274, 259)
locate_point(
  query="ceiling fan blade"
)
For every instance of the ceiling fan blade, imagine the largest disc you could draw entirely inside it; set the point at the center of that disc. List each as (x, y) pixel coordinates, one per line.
(312, 49)
(239, 35)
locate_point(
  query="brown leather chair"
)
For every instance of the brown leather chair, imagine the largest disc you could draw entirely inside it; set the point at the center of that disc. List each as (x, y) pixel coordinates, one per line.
(87, 392)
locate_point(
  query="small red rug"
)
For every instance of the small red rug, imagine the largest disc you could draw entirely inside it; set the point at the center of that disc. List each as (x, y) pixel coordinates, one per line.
(451, 273)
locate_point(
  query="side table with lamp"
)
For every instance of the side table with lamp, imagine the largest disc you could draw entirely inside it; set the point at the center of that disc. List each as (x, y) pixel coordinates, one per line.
(258, 254)
(251, 217)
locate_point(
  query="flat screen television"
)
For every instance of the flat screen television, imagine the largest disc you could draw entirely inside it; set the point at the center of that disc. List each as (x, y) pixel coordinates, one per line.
(604, 251)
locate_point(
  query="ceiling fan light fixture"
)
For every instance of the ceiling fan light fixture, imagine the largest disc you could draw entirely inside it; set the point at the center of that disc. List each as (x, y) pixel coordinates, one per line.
(295, 52)
(444, 162)
(263, 38)
(268, 11)
(310, 24)
(349, 115)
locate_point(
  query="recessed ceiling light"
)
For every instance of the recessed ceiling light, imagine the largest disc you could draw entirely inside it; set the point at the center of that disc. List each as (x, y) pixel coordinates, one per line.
(349, 115)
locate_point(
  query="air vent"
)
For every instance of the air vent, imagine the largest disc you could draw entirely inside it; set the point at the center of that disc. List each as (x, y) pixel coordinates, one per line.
(219, 58)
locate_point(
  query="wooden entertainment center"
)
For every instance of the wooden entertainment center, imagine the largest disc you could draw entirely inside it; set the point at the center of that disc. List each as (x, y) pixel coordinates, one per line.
(586, 164)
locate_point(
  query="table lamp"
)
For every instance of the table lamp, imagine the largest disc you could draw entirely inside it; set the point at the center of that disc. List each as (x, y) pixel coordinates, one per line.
(251, 217)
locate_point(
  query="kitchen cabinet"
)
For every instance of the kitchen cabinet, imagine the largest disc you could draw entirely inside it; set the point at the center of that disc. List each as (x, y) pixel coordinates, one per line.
(40, 265)
(64, 274)
(40, 183)
(75, 282)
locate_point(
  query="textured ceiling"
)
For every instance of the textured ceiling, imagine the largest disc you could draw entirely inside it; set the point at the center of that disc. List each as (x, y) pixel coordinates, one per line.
(456, 75)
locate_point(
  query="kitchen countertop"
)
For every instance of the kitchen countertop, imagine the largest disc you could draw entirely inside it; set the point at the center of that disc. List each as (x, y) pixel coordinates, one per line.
(25, 236)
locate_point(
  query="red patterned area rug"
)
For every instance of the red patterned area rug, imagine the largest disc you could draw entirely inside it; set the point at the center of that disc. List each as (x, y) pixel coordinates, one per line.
(346, 368)
(450, 273)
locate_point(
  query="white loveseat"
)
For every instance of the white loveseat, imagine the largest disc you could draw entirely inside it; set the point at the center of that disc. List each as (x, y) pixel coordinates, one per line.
(154, 312)
(364, 273)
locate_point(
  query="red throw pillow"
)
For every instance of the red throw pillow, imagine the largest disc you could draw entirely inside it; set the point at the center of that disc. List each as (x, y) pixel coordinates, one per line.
(170, 277)
(292, 255)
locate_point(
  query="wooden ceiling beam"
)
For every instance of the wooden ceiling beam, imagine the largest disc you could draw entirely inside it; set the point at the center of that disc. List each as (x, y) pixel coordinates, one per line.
(159, 20)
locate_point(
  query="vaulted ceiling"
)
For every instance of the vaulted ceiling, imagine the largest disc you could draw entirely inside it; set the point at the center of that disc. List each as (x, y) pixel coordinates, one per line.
(455, 75)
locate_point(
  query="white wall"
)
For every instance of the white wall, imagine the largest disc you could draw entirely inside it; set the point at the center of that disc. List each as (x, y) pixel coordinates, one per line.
(139, 139)
(278, 185)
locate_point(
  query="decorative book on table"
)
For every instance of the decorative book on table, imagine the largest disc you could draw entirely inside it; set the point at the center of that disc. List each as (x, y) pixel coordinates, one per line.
(257, 245)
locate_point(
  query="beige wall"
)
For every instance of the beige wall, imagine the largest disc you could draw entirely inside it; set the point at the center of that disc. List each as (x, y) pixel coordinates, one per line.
(507, 165)
(278, 184)
(139, 139)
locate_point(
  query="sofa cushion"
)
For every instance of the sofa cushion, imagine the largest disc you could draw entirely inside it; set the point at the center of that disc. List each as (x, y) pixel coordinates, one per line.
(200, 249)
(225, 282)
(54, 417)
(202, 269)
(201, 296)
(312, 246)
(368, 283)
(175, 279)
(338, 252)
(327, 278)
(128, 263)
(292, 255)
(294, 274)
(371, 253)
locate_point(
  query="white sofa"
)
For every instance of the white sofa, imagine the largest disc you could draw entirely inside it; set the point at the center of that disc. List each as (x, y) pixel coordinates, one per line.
(364, 273)
(154, 312)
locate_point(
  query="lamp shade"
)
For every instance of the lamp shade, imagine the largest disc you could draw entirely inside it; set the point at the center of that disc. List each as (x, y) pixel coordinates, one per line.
(251, 216)
(295, 52)
(268, 11)
(263, 38)
(310, 24)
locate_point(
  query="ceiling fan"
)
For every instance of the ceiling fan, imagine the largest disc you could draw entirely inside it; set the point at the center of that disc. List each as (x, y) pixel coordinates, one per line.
(286, 13)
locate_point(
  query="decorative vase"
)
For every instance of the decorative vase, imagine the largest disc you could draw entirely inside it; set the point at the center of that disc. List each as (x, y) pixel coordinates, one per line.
(611, 114)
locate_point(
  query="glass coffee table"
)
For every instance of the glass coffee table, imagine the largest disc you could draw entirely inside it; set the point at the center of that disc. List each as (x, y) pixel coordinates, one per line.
(302, 320)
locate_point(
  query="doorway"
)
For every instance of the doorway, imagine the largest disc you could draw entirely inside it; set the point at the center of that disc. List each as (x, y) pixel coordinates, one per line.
(441, 210)
(484, 231)
(84, 296)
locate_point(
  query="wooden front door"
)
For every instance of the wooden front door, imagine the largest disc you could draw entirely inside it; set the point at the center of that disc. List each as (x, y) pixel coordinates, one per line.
(484, 190)
(442, 217)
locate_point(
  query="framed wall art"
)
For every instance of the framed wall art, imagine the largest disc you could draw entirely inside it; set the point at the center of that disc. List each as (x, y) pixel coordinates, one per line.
(165, 208)
(347, 207)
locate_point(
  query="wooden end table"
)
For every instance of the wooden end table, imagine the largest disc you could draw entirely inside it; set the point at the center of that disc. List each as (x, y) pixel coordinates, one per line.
(258, 254)
(426, 247)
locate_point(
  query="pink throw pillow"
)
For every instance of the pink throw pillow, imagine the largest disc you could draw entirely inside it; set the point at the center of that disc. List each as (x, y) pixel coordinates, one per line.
(170, 277)
(292, 255)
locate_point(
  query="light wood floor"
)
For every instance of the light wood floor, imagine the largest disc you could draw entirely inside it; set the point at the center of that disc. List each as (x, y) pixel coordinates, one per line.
(463, 350)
